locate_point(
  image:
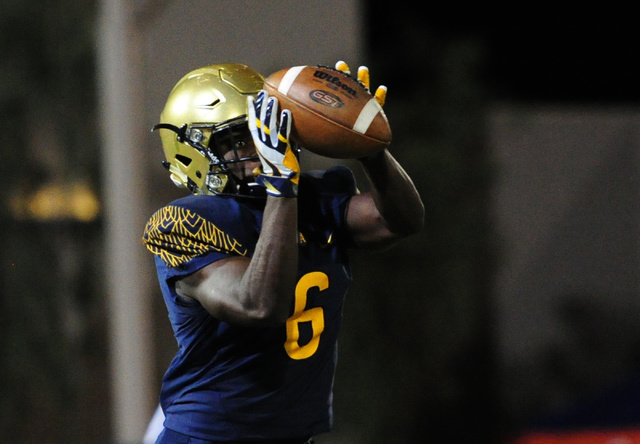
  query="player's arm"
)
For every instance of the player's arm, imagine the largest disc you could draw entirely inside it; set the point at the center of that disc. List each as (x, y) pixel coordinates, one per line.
(392, 209)
(255, 291)
(258, 291)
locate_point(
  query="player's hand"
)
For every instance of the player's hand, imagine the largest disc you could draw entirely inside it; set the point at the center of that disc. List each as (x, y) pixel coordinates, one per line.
(363, 77)
(280, 168)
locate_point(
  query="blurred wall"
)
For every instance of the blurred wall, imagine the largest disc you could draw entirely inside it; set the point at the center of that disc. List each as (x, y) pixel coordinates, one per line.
(567, 205)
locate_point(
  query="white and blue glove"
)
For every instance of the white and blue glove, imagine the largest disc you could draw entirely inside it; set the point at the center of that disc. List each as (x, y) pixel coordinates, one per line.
(280, 168)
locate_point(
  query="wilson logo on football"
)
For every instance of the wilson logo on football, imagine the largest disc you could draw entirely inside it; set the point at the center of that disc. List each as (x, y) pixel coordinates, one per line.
(335, 81)
(326, 98)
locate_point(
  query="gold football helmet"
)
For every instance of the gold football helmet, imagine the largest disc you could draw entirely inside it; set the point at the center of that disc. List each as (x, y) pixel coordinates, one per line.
(203, 125)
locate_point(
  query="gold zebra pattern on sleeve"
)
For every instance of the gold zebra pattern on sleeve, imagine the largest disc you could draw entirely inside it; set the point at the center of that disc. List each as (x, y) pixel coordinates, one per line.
(178, 235)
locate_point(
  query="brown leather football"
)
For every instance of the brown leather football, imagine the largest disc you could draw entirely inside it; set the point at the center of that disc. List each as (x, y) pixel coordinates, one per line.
(334, 115)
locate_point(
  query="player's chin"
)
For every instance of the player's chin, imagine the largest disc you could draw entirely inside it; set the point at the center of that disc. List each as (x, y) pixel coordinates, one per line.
(251, 169)
(247, 171)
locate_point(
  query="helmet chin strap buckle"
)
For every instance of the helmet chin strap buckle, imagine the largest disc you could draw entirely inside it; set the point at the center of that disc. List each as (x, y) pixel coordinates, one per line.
(214, 181)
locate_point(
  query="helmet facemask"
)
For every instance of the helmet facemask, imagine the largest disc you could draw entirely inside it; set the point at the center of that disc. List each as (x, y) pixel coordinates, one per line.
(227, 146)
(233, 146)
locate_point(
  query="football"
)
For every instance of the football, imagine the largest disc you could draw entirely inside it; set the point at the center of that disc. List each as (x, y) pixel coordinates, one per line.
(334, 115)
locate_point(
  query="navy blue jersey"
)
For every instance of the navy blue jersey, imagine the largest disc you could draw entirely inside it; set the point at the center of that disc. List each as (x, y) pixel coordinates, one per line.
(228, 382)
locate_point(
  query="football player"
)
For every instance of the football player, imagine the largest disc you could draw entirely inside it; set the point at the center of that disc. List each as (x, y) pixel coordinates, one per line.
(253, 264)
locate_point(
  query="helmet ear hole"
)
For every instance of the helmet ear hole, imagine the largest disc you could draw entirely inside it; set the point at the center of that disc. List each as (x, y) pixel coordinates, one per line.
(183, 159)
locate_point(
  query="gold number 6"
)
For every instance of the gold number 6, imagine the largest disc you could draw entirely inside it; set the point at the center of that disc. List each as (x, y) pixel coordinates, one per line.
(314, 315)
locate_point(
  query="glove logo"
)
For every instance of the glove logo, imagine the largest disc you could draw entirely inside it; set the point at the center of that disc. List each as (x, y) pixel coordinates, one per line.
(271, 189)
(326, 98)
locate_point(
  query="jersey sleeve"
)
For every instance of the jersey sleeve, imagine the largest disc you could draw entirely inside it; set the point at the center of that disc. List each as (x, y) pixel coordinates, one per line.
(193, 232)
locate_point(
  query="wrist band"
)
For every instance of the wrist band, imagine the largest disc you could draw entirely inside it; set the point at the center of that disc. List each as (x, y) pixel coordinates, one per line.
(278, 186)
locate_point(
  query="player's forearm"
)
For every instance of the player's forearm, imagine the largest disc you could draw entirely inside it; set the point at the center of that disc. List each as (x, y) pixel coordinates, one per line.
(271, 276)
(254, 291)
(395, 195)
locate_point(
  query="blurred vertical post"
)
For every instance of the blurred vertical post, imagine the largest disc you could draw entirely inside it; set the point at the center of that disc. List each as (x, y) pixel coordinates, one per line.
(119, 74)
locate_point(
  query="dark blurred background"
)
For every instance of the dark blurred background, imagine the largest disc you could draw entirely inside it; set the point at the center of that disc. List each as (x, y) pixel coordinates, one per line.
(510, 124)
